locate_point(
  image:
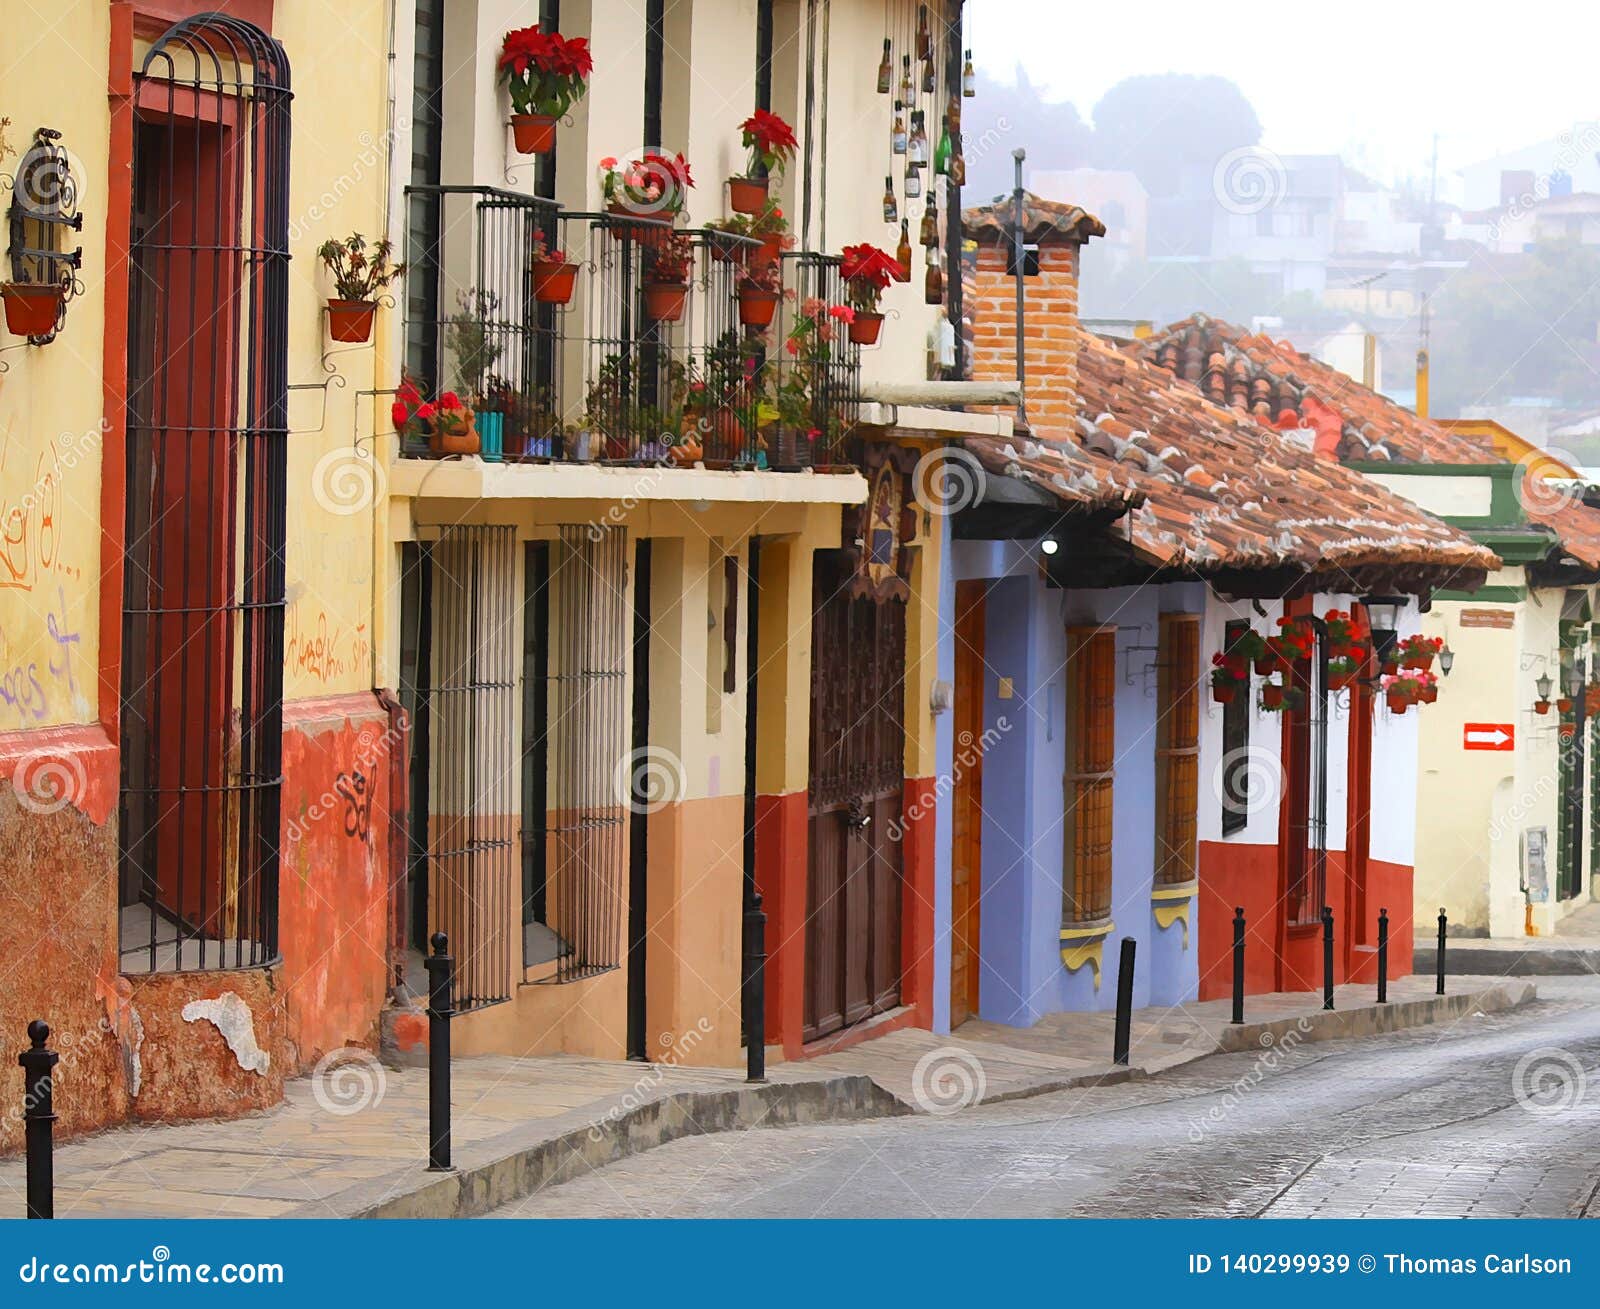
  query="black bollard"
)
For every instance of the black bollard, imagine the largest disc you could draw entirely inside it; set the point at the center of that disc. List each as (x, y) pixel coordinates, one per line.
(1119, 1045)
(755, 991)
(441, 982)
(38, 1116)
(1439, 988)
(1327, 957)
(1238, 964)
(1383, 956)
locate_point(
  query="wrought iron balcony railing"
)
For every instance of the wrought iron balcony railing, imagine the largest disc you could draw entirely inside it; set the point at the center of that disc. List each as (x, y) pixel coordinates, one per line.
(639, 349)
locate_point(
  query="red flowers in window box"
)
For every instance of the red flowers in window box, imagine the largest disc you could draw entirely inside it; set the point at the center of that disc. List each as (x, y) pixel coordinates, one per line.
(1418, 651)
(1229, 671)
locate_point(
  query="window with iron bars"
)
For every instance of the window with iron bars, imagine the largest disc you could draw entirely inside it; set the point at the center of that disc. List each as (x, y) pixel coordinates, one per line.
(1177, 748)
(203, 573)
(1091, 773)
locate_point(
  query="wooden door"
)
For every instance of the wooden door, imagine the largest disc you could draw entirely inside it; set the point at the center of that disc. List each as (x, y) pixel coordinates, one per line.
(856, 803)
(967, 802)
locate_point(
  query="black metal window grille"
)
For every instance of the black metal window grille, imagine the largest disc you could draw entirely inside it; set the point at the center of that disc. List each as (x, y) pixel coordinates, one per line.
(422, 214)
(43, 211)
(1308, 887)
(203, 586)
(591, 772)
(539, 944)
(830, 373)
(1236, 750)
(474, 785)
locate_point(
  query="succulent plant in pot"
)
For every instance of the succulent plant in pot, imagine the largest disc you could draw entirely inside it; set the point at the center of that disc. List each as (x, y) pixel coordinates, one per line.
(360, 274)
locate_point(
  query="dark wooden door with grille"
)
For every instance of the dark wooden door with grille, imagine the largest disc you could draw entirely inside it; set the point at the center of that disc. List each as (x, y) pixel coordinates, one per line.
(857, 793)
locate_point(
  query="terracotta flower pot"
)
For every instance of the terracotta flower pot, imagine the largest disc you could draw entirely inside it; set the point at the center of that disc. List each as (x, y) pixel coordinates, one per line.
(1340, 681)
(726, 249)
(1564, 705)
(554, 281)
(771, 249)
(665, 301)
(1398, 702)
(650, 235)
(1541, 706)
(1428, 694)
(454, 440)
(1272, 696)
(351, 320)
(864, 328)
(687, 451)
(1267, 664)
(747, 195)
(534, 134)
(1222, 694)
(757, 307)
(1567, 730)
(31, 310)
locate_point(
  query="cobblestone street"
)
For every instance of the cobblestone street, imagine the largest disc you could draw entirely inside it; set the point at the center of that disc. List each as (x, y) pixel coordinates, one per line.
(1491, 1116)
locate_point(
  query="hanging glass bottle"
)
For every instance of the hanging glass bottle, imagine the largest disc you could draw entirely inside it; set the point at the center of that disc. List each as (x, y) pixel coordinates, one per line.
(929, 80)
(917, 145)
(924, 35)
(941, 156)
(902, 252)
(885, 69)
(933, 283)
(898, 139)
(969, 78)
(907, 90)
(913, 181)
(891, 208)
(928, 234)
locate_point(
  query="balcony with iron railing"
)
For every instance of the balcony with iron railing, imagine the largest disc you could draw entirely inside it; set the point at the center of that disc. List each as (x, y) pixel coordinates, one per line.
(647, 345)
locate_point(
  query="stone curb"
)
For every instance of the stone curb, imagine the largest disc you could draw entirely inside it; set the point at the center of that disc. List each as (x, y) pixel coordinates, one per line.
(1536, 961)
(505, 1168)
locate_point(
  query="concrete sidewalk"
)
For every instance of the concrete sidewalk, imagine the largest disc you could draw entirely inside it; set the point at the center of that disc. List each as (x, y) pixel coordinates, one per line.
(352, 1142)
(1574, 950)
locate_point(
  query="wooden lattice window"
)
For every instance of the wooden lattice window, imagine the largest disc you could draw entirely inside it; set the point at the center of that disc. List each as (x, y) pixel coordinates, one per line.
(1091, 766)
(1177, 748)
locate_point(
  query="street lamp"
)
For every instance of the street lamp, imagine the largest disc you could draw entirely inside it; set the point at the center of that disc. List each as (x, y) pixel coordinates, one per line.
(1447, 657)
(1543, 686)
(1575, 680)
(1383, 614)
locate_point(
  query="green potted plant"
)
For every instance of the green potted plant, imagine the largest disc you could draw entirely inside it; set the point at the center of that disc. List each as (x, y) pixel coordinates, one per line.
(546, 73)
(1342, 672)
(771, 143)
(654, 186)
(867, 272)
(666, 279)
(359, 274)
(1229, 671)
(472, 337)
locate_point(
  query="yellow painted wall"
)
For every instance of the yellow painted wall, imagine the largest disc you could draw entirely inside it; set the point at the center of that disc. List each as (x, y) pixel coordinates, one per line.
(51, 399)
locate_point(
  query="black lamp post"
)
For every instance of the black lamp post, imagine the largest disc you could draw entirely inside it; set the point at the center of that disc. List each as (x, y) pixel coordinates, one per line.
(1383, 613)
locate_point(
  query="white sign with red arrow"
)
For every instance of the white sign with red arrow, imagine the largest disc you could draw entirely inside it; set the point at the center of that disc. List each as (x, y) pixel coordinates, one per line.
(1488, 736)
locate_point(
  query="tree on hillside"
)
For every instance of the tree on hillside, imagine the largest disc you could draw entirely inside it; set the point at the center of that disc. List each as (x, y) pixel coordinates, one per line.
(1519, 325)
(1003, 117)
(1164, 125)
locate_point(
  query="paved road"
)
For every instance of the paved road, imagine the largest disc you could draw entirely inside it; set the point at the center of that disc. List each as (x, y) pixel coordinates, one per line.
(1492, 1116)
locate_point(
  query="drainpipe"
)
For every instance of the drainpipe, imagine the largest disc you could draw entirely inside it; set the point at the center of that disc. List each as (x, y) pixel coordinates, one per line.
(1018, 266)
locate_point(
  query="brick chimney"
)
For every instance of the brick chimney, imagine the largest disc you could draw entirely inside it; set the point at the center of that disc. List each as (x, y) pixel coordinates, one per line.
(1050, 304)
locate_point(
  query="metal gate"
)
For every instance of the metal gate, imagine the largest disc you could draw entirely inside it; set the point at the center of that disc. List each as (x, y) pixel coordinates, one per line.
(856, 800)
(203, 581)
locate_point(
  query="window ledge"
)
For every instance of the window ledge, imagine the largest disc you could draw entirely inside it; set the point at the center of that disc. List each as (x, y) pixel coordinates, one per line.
(1170, 904)
(1084, 943)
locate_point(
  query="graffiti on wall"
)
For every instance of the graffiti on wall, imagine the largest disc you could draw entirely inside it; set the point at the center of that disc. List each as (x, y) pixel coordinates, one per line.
(323, 649)
(357, 803)
(30, 689)
(30, 519)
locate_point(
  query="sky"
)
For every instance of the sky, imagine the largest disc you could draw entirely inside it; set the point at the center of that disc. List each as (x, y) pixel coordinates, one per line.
(1372, 82)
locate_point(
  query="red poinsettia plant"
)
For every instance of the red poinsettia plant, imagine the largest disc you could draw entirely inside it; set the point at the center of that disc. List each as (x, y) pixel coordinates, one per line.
(545, 72)
(415, 416)
(867, 271)
(654, 183)
(770, 141)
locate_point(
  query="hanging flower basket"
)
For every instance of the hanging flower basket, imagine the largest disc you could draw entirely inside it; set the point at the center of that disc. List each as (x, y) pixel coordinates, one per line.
(1399, 702)
(1342, 673)
(748, 195)
(864, 328)
(1429, 693)
(665, 301)
(1567, 730)
(757, 306)
(534, 134)
(554, 280)
(1564, 705)
(32, 309)
(351, 320)
(1541, 706)
(1272, 696)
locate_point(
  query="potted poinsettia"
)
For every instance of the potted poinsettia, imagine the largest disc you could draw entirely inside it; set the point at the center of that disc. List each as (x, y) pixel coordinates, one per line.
(666, 278)
(654, 186)
(359, 275)
(866, 271)
(546, 73)
(554, 275)
(1229, 671)
(771, 143)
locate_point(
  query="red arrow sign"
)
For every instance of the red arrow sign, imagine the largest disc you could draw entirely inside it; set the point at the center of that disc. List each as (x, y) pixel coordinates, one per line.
(1488, 736)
